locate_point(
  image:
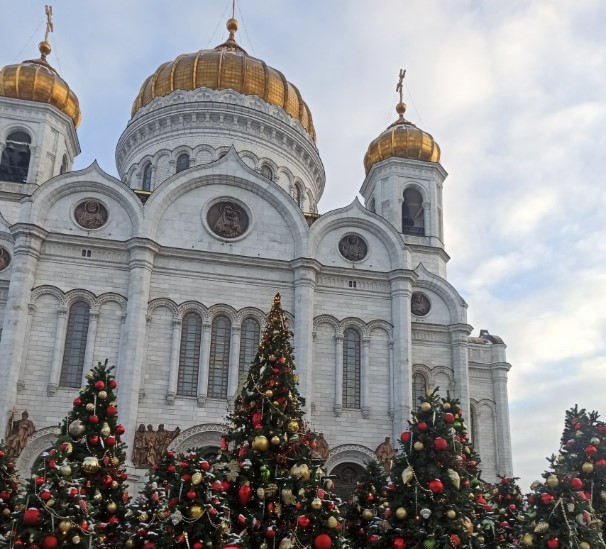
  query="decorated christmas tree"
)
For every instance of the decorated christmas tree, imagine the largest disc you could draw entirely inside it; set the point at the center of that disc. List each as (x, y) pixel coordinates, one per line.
(181, 504)
(508, 502)
(281, 495)
(9, 488)
(366, 503)
(432, 497)
(78, 496)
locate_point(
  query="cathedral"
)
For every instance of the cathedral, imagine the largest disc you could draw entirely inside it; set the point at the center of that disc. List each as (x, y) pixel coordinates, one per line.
(169, 270)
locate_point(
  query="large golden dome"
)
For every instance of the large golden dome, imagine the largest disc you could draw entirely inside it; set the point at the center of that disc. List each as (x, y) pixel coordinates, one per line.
(227, 66)
(402, 139)
(36, 80)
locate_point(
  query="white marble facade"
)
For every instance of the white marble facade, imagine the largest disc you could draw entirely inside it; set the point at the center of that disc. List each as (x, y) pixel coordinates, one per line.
(158, 257)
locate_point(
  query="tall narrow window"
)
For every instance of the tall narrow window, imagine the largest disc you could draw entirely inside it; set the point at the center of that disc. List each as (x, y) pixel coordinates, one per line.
(75, 345)
(249, 344)
(413, 215)
(351, 369)
(298, 195)
(63, 168)
(147, 177)
(419, 388)
(267, 172)
(182, 162)
(14, 163)
(219, 357)
(189, 355)
(474, 427)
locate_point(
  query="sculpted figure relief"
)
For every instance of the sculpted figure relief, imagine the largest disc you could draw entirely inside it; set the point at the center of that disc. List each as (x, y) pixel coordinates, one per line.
(419, 304)
(5, 259)
(91, 214)
(149, 445)
(385, 454)
(227, 219)
(353, 247)
(17, 433)
(321, 449)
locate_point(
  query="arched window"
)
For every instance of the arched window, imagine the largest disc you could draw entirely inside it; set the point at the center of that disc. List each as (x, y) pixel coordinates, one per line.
(147, 177)
(419, 388)
(298, 195)
(371, 205)
(351, 369)
(219, 357)
(189, 355)
(413, 218)
(267, 172)
(75, 345)
(14, 163)
(249, 344)
(182, 162)
(63, 168)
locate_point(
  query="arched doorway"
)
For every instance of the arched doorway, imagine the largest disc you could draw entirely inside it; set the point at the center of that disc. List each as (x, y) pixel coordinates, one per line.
(345, 477)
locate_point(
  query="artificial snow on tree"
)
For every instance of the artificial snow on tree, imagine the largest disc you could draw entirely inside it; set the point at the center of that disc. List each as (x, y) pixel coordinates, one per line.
(9, 488)
(183, 503)
(432, 495)
(78, 496)
(366, 503)
(280, 497)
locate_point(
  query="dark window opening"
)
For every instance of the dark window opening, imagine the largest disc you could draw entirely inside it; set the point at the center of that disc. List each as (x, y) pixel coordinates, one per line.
(413, 214)
(147, 177)
(14, 163)
(182, 162)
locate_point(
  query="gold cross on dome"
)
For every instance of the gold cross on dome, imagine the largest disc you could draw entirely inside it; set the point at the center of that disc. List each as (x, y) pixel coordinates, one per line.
(399, 87)
(49, 21)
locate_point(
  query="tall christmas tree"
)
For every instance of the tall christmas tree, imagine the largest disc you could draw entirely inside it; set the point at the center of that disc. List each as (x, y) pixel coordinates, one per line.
(508, 501)
(432, 498)
(78, 496)
(9, 488)
(182, 504)
(280, 497)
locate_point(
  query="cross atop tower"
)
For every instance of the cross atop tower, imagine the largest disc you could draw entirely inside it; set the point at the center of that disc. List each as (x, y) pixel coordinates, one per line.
(49, 21)
(399, 87)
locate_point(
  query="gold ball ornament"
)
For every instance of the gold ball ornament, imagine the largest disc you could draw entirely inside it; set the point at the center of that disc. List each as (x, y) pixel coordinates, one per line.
(418, 446)
(90, 465)
(401, 513)
(535, 485)
(451, 514)
(468, 525)
(76, 540)
(65, 526)
(115, 484)
(143, 516)
(111, 507)
(367, 514)
(425, 406)
(595, 441)
(90, 407)
(195, 511)
(300, 471)
(102, 395)
(541, 527)
(587, 467)
(98, 496)
(261, 493)
(332, 522)
(65, 470)
(6, 512)
(260, 443)
(269, 393)
(316, 504)
(584, 545)
(552, 481)
(293, 426)
(105, 429)
(196, 478)
(446, 406)
(285, 544)
(115, 461)
(528, 540)
(89, 375)
(76, 428)
(129, 543)
(275, 440)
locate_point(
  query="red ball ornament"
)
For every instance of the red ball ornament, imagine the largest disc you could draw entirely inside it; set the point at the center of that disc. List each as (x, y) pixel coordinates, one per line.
(52, 464)
(111, 410)
(303, 521)
(113, 520)
(455, 540)
(436, 486)
(602, 429)
(171, 468)
(600, 463)
(77, 401)
(440, 444)
(405, 436)
(197, 545)
(590, 450)
(5, 496)
(45, 495)
(322, 541)
(93, 419)
(191, 495)
(217, 486)
(422, 426)
(110, 441)
(270, 533)
(99, 386)
(399, 543)
(576, 483)
(547, 499)
(244, 494)
(553, 543)
(31, 516)
(113, 384)
(94, 440)
(107, 481)
(50, 542)
(505, 481)
(149, 545)
(226, 486)
(39, 481)
(204, 465)
(449, 418)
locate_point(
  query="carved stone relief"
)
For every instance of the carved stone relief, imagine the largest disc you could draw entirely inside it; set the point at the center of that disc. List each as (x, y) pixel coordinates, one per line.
(5, 259)
(353, 247)
(419, 304)
(149, 445)
(91, 214)
(227, 219)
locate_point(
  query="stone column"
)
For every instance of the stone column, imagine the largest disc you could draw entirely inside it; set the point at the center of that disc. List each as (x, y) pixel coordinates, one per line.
(365, 378)
(503, 435)
(28, 243)
(31, 309)
(234, 363)
(57, 360)
(141, 262)
(148, 321)
(204, 367)
(173, 372)
(401, 292)
(338, 374)
(427, 219)
(460, 365)
(305, 283)
(391, 396)
(91, 337)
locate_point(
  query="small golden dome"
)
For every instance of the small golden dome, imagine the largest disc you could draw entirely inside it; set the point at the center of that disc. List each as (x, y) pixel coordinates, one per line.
(402, 139)
(36, 80)
(227, 66)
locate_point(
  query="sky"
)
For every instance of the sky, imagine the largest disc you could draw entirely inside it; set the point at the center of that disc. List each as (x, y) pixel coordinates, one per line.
(515, 94)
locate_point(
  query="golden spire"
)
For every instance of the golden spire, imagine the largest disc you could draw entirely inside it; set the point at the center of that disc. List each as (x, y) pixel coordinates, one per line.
(401, 106)
(44, 46)
(232, 23)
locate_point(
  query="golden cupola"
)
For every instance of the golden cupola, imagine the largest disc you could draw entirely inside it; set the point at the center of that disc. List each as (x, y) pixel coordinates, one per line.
(402, 139)
(227, 66)
(36, 80)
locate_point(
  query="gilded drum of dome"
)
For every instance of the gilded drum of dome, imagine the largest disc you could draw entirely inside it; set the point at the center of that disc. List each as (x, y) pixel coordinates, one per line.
(226, 67)
(37, 81)
(402, 140)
